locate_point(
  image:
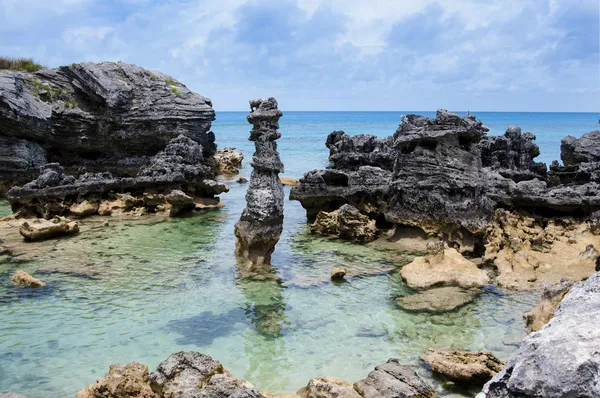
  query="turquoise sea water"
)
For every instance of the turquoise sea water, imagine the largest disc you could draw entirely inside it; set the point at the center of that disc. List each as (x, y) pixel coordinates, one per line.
(168, 286)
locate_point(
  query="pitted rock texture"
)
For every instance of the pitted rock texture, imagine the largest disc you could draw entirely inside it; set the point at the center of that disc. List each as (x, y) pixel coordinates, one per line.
(41, 229)
(447, 177)
(544, 310)
(328, 387)
(463, 366)
(180, 166)
(130, 380)
(22, 278)
(561, 359)
(261, 223)
(345, 223)
(104, 117)
(228, 161)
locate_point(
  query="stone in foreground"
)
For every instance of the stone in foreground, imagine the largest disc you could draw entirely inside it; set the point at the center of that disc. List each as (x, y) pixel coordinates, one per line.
(41, 229)
(345, 223)
(441, 299)
(129, 380)
(561, 359)
(22, 278)
(328, 387)
(393, 380)
(261, 223)
(463, 366)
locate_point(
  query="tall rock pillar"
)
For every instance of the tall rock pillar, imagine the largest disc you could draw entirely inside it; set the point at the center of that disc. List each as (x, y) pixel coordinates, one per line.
(261, 223)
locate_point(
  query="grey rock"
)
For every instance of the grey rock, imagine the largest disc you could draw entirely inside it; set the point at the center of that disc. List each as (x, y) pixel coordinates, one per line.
(261, 223)
(108, 116)
(586, 149)
(563, 358)
(393, 380)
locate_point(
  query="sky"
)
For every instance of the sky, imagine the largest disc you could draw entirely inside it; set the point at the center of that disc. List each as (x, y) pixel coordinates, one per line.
(480, 55)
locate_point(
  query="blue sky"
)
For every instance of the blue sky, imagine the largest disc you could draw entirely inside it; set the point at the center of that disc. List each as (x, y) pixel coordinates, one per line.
(503, 55)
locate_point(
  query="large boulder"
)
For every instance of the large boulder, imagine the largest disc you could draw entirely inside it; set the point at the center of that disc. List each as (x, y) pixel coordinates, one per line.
(463, 366)
(561, 359)
(345, 223)
(107, 116)
(393, 380)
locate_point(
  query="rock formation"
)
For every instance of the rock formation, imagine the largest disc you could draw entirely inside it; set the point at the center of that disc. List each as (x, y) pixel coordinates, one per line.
(101, 117)
(328, 387)
(129, 380)
(463, 366)
(40, 229)
(180, 166)
(437, 300)
(261, 223)
(345, 223)
(22, 278)
(446, 176)
(228, 161)
(561, 359)
(544, 310)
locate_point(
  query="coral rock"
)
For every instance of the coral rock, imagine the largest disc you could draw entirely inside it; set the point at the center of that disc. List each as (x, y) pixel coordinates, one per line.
(463, 366)
(180, 202)
(228, 161)
(41, 229)
(346, 223)
(121, 381)
(22, 278)
(84, 209)
(328, 387)
(440, 299)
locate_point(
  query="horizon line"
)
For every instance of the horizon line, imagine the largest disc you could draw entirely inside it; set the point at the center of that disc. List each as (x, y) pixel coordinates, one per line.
(416, 111)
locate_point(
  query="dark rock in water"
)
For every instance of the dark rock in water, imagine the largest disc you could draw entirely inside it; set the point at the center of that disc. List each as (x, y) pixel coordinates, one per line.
(561, 359)
(393, 380)
(180, 166)
(446, 176)
(107, 116)
(261, 223)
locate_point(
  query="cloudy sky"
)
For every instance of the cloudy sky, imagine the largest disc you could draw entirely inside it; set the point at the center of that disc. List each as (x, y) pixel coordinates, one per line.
(504, 55)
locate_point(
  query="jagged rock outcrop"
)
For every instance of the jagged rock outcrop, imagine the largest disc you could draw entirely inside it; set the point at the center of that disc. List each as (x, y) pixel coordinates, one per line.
(103, 117)
(228, 161)
(544, 310)
(180, 166)
(561, 359)
(447, 177)
(463, 366)
(22, 278)
(345, 223)
(261, 223)
(393, 380)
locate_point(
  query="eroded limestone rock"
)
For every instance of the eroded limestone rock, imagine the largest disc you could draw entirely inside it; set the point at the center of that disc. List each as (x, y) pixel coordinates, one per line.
(261, 223)
(121, 381)
(393, 380)
(463, 366)
(447, 268)
(40, 229)
(228, 161)
(338, 273)
(180, 202)
(22, 278)
(544, 310)
(440, 299)
(328, 387)
(345, 223)
(84, 209)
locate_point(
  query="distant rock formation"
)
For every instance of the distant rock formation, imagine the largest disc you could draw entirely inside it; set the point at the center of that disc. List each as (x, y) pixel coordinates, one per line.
(261, 223)
(100, 117)
(561, 359)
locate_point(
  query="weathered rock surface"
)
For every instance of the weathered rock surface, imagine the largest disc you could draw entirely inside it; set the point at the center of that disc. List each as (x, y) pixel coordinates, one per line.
(129, 380)
(228, 161)
(447, 177)
(393, 380)
(261, 223)
(180, 166)
(40, 229)
(108, 117)
(445, 268)
(345, 223)
(561, 359)
(338, 273)
(441, 299)
(328, 387)
(463, 366)
(180, 202)
(22, 278)
(544, 310)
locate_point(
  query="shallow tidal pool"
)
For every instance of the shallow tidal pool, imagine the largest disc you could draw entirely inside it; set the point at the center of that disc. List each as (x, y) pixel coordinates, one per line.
(162, 287)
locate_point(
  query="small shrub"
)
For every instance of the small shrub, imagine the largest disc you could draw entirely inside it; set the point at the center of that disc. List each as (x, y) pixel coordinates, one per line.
(20, 64)
(171, 82)
(176, 92)
(120, 70)
(71, 103)
(153, 78)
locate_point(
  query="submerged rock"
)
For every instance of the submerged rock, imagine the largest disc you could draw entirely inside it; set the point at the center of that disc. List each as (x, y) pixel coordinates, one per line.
(441, 299)
(448, 268)
(12, 395)
(464, 366)
(393, 380)
(228, 161)
(345, 223)
(328, 387)
(561, 359)
(22, 278)
(121, 381)
(261, 223)
(40, 229)
(544, 310)
(107, 116)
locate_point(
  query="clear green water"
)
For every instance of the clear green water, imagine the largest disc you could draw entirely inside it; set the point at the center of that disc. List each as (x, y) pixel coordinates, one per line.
(4, 208)
(174, 286)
